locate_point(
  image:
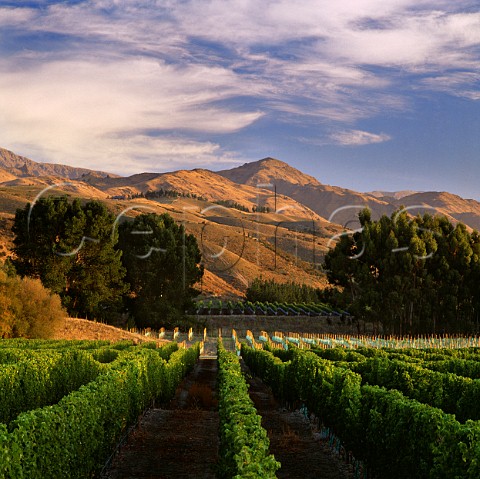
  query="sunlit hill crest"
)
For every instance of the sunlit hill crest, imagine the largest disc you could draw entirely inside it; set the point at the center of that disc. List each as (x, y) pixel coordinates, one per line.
(266, 217)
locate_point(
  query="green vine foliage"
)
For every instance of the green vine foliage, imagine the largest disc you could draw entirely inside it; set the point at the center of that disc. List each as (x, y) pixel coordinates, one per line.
(43, 378)
(72, 438)
(244, 445)
(397, 436)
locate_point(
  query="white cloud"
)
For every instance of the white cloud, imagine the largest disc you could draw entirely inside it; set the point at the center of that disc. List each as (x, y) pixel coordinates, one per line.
(457, 84)
(432, 41)
(87, 109)
(138, 153)
(357, 138)
(15, 16)
(144, 69)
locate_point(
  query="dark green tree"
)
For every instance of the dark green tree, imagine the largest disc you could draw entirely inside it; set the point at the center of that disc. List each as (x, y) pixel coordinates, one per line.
(71, 248)
(42, 237)
(290, 292)
(162, 264)
(409, 274)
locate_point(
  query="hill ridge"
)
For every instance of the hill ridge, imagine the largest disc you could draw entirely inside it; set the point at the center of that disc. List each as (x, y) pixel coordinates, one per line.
(268, 170)
(283, 239)
(22, 167)
(240, 185)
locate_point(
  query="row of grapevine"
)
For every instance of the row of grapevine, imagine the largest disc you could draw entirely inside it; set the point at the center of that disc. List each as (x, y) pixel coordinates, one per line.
(396, 436)
(451, 393)
(428, 355)
(244, 445)
(43, 379)
(41, 376)
(425, 345)
(72, 438)
(452, 385)
(462, 367)
(215, 307)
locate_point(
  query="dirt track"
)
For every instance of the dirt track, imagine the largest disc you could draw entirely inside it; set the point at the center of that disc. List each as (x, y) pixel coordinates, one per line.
(302, 454)
(181, 439)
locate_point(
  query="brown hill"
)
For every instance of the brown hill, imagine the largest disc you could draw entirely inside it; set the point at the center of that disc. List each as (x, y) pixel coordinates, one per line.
(6, 175)
(268, 170)
(453, 206)
(236, 246)
(387, 195)
(21, 166)
(342, 205)
(206, 184)
(58, 186)
(332, 202)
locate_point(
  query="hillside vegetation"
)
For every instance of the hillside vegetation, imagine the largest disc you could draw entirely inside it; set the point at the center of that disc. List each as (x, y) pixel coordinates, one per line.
(286, 238)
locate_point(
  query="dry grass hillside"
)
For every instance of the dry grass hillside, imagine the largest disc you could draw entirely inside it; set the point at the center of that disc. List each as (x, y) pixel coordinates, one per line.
(454, 207)
(205, 184)
(268, 170)
(84, 329)
(237, 246)
(324, 200)
(387, 195)
(21, 166)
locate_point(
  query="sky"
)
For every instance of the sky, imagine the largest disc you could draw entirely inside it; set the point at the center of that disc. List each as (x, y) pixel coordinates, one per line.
(363, 94)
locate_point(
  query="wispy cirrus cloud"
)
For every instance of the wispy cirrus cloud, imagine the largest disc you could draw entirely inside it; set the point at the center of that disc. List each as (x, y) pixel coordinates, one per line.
(84, 81)
(357, 138)
(460, 84)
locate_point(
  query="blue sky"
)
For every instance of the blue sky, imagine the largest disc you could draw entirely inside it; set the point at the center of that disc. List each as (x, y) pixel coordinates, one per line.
(364, 94)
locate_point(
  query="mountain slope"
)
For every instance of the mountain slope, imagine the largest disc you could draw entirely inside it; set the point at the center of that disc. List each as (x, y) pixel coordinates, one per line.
(297, 193)
(6, 175)
(21, 166)
(388, 195)
(342, 205)
(453, 206)
(236, 246)
(269, 170)
(339, 204)
(205, 184)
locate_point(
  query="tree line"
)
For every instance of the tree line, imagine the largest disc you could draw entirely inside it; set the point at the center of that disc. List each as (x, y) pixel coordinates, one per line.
(166, 193)
(267, 290)
(103, 268)
(409, 275)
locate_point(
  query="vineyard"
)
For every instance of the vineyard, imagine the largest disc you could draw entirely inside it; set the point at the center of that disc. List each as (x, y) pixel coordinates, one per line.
(280, 340)
(216, 307)
(388, 407)
(401, 411)
(64, 405)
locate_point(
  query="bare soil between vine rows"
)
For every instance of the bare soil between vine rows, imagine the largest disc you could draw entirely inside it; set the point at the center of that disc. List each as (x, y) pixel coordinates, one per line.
(181, 439)
(295, 445)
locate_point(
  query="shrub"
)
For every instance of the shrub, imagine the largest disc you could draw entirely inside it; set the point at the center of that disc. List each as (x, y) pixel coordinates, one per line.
(27, 309)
